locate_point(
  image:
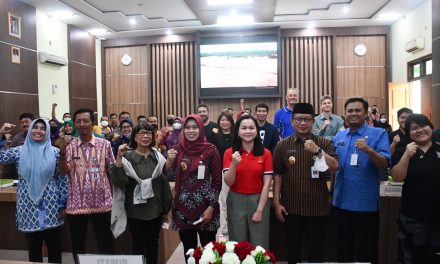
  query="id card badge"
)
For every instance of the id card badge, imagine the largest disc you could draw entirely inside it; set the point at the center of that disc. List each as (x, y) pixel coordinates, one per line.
(354, 159)
(314, 173)
(94, 170)
(201, 172)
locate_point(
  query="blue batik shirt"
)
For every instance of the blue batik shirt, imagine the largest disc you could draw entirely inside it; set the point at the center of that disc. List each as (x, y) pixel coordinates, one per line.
(357, 187)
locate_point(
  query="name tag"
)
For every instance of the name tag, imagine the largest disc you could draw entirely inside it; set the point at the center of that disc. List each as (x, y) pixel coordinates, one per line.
(314, 173)
(201, 172)
(354, 159)
(94, 170)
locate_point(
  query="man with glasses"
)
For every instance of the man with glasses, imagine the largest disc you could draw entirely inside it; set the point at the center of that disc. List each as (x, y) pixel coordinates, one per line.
(364, 153)
(300, 189)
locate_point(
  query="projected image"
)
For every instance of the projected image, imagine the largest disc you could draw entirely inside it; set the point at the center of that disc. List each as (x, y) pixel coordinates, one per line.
(238, 65)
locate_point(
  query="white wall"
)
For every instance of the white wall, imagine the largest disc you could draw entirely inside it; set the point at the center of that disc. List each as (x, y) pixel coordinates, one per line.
(418, 23)
(52, 38)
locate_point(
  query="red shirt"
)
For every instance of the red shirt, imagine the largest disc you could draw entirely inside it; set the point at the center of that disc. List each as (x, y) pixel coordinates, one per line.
(250, 171)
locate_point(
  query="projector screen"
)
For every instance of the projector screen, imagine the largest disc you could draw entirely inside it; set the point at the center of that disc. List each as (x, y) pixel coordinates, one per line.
(242, 66)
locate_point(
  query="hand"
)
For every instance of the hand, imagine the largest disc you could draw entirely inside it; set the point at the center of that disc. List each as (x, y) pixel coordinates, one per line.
(236, 157)
(411, 149)
(215, 130)
(116, 136)
(396, 139)
(6, 128)
(172, 153)
(207, 215)
(362, 145)
(310, 146)
(66, 141)
(241, 100)
(326, 124)
(257, 217)
(122, 149)
(280, 212)
(54, 105)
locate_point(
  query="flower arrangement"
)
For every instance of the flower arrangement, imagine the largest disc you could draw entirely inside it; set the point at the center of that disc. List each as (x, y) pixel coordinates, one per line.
(232, 253)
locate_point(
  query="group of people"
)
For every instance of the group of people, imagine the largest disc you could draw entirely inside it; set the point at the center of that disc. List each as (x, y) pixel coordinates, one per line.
(116, 174)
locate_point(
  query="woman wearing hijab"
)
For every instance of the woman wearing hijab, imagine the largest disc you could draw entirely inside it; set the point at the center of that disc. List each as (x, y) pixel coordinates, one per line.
(195, 166)
(171, 137)
(147, 194)
(41, 192)
(126, 127)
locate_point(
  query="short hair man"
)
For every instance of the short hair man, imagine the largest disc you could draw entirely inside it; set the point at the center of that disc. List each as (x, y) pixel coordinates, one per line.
(114, 123)
(284, 115)
(203, 112)
(124, 115)
(364, 152)
(25, 120)
(300, 190)
(268, 132)
(141, 119)
(152, 121)
(86, 161)
(398, 138)
(327, 124)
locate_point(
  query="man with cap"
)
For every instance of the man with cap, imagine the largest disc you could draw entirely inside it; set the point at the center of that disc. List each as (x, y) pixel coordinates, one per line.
(301, 196)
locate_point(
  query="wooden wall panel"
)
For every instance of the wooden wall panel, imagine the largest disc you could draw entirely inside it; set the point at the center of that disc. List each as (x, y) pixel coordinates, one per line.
(82, 69)
(18, 82)
(126, 87)
(173, 79)
(361, 76)
(435, 88)
(307, 65)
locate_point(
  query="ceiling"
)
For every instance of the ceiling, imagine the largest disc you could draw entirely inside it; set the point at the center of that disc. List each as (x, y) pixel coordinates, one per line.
(133, 18)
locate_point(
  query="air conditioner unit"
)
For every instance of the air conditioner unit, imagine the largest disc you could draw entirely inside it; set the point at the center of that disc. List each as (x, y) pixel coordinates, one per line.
(415, 44)
(48, 58)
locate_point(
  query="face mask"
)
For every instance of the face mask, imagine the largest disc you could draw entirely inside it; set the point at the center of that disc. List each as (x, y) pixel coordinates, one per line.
(177, 126)
(67, 119)
(383, 120)
(53, 129)
(104, 123)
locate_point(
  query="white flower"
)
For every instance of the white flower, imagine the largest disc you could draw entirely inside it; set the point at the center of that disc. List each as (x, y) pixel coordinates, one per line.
(230, 246)
(256, 250)
(207, 257)
(230, 258)
(249, 260)
(209, 246)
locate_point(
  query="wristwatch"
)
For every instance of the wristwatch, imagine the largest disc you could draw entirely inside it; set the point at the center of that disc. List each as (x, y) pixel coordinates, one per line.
(318, 152)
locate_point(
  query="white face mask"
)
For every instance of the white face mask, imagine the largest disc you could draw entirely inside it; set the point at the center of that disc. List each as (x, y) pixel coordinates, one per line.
(104, 123)
(177, 126)
(383, 120)
(67, 119)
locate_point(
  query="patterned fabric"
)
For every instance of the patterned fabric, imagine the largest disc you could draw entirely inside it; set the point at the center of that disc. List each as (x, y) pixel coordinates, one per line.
(32, 217)
(89, 186)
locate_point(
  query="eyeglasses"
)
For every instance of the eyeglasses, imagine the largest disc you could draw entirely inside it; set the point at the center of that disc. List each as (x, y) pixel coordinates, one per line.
(145, 133)
(299, 120)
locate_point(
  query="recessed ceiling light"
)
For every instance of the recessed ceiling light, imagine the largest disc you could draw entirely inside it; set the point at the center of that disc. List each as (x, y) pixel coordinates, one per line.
(229, 2)
(132, 21)
(346, 9)
(168, 32)
(311, 24)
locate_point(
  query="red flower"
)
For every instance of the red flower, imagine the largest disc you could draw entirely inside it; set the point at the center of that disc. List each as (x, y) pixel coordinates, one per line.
(270, 255)
(220, 247)
(197, 254)
(242, 249)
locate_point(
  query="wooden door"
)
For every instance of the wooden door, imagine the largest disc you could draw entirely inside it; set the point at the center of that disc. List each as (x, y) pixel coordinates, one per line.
(398, 98)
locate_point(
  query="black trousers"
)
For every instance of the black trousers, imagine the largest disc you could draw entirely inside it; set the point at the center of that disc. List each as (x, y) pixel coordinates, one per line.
(52, 239)
(189, 239)
(145, 237)
(101, 226)
(358, 236)
(314, 231)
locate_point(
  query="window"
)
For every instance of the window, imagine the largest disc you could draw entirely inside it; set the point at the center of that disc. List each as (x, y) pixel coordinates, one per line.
(429, 67)
(419, 68)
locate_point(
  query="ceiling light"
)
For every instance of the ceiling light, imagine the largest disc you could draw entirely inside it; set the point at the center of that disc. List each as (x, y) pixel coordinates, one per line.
(229, 2)
(168, 32)
(345, 10)
(235, 20)
(388, 16)
(133, 21)
(311, 24)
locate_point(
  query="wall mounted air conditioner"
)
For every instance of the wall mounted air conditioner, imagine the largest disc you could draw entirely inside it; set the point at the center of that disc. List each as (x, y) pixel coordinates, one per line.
(48, 58)
(415, 44)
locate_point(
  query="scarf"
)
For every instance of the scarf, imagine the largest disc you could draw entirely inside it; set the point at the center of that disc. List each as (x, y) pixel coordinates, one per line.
(37, 163)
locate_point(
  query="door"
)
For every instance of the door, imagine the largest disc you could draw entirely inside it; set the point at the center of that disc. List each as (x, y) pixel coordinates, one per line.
(399, 97)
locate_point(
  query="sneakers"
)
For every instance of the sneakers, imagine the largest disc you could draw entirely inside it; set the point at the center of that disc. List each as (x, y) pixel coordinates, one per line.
(225, 230)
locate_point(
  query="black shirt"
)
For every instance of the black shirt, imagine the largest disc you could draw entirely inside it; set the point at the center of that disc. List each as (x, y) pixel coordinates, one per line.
(209, 134)
(420, 192)
(223, 142)
(270, 136)
(404, 140)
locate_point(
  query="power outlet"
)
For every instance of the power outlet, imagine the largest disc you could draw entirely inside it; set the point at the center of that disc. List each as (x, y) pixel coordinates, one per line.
(54, 88)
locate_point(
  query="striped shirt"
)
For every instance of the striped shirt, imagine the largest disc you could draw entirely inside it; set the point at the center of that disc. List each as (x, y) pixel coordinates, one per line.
(300, 194)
